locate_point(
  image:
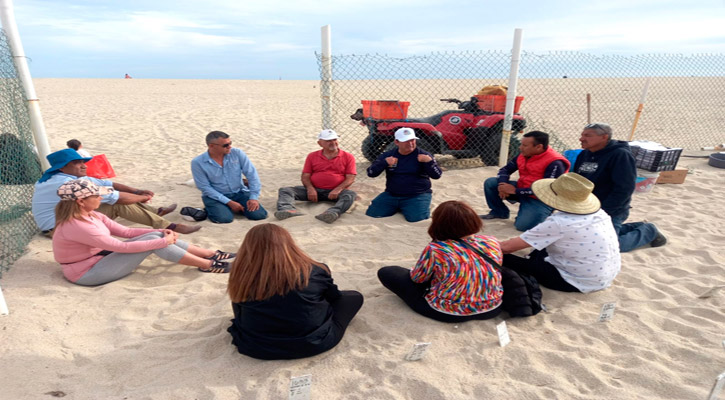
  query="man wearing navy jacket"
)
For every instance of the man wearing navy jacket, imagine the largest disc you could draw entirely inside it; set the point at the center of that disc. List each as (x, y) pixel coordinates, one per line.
(408, 171)
(610, 165)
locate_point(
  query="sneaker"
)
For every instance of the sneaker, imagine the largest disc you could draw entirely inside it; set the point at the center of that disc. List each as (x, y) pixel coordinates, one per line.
(659, 240)
(491, 216)
(284, 214)
(327, 216)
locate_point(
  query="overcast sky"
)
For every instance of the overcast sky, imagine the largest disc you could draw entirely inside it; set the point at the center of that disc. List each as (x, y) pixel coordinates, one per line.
(272, 39)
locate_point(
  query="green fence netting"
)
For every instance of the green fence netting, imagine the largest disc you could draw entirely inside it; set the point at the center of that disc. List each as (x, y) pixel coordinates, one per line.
(19, 166)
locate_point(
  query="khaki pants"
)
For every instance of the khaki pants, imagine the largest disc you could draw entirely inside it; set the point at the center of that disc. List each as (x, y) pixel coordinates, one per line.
(139, 213)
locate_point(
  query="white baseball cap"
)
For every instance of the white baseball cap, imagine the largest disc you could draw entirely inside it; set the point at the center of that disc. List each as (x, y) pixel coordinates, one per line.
(405, 134)
(327, 134)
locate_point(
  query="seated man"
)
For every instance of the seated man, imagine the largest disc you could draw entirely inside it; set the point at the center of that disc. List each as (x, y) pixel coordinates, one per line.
(611, 166)
(219, 174)
(408, 171)
(326, 176)
(124, 201)
(536, 161)
(576, 248)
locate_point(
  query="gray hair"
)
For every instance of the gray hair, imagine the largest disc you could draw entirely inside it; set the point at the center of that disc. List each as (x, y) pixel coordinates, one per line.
(603, 129)
(214, 135)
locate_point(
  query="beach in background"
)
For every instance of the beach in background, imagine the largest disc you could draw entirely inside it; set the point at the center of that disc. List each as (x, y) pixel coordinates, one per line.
(160, 333)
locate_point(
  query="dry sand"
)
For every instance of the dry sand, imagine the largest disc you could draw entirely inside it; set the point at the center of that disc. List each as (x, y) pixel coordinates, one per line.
(160, 333)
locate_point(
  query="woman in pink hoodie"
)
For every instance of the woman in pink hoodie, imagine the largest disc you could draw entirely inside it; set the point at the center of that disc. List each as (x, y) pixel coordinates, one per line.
(90, 256)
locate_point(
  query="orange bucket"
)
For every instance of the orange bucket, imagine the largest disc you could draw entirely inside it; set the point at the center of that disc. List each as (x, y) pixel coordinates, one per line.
(99, 167)
(493, 103)
(385, 109)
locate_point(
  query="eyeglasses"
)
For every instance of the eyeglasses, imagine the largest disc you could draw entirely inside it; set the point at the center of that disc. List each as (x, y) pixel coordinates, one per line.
(225, 145)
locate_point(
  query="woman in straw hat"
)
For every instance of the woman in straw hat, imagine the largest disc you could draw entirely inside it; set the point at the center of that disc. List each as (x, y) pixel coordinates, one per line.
(576, 248)
(285, 304)
(90, 256)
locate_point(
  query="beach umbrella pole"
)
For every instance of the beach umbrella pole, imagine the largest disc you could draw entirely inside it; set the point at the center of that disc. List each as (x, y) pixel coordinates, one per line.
(326, 84)
(510, 98)
(639, 108)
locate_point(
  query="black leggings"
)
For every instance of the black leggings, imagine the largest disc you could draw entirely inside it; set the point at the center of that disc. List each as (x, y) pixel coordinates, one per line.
(397, 280)
(546, 274)
(344, 310)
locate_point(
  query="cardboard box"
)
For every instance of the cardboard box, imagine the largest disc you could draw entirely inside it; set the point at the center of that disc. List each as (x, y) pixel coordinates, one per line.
(676, 176)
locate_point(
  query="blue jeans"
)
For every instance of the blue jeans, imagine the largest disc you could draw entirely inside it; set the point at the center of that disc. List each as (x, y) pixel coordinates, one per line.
(221, 213)
(531, 211)
(414, 208)
(633, 234)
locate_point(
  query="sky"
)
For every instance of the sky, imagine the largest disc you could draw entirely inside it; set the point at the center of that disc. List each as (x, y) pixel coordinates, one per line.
(277, 39)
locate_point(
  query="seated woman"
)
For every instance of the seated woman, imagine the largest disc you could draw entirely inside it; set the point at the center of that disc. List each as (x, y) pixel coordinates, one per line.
(90, 256)
(285, 303)
(577, 249)
(452, 281)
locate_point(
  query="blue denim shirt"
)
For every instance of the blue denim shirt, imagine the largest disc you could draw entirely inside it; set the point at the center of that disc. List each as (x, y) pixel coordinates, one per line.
(216, 181)
(46, 197)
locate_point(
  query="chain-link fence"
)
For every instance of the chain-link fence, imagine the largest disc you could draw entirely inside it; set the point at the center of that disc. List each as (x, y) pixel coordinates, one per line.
(19, 166)
(683, 107)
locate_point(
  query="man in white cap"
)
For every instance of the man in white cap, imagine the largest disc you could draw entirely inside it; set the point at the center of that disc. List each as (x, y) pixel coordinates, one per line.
(326, 176)
(577, 249)
(408, 171)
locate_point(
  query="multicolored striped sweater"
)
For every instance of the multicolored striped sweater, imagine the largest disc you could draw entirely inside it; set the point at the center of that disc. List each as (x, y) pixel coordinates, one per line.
(463, 283)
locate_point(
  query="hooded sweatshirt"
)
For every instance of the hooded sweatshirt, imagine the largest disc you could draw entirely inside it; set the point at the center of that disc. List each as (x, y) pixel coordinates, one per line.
(613, 172)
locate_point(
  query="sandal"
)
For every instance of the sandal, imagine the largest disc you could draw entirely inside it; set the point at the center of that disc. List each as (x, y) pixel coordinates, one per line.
(217, 267)
(221, 256)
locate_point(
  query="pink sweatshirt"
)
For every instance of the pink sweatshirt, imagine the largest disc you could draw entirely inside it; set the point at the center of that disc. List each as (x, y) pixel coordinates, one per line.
(76, 242)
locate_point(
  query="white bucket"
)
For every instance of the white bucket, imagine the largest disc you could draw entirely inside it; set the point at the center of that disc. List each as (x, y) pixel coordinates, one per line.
(645, 180)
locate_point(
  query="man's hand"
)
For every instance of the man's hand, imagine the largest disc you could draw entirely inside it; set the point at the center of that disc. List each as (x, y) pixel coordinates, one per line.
(392, 161)
(424, 158)
(145, 198)
(505, 190)
(236, 207)
(144, 192)
(334, 193)
(312, 195)
(252, 205)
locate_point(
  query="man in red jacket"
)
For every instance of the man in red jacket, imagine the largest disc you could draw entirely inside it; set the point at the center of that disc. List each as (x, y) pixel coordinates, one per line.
(536, 161)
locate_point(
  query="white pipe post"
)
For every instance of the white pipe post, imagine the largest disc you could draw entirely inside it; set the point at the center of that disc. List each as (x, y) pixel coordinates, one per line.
(510, 98)
(7, 16)
(3, 306)
(326, 85)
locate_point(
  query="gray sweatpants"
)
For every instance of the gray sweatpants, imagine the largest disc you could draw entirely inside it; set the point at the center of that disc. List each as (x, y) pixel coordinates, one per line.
(117, 265)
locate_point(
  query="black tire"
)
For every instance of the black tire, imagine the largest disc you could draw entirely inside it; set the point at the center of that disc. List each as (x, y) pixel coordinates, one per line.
(375, 145)
(490, 150)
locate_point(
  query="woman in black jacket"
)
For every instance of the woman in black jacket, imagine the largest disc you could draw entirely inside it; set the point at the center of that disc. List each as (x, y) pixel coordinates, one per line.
(286, 305)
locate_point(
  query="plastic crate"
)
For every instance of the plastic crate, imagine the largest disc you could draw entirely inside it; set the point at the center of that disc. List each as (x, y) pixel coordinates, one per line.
(497, 104)
(385, 109)
(656, 160)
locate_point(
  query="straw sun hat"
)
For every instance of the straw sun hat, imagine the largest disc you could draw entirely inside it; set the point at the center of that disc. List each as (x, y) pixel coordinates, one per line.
(570, 193)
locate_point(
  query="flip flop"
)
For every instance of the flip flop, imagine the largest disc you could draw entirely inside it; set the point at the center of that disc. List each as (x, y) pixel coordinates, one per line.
(221, 256)
(217, 267)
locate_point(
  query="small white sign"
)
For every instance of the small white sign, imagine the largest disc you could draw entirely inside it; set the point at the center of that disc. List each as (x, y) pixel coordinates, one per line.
(607, 311)
(417, 352)
(503, 334)
(717, 387)
(299, 387)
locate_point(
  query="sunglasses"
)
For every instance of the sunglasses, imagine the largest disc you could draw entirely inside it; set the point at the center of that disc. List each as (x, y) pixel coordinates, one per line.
(225, 145)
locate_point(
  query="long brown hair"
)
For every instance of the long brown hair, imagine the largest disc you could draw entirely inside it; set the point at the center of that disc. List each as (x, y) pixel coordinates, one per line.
(66, 210)
(268, 263)
(453, 220)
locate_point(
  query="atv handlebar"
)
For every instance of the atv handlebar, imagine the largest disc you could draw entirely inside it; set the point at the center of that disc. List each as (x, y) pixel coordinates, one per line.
(451, 101)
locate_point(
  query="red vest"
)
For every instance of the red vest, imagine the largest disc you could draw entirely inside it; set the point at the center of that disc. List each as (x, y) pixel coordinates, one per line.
(532, 169)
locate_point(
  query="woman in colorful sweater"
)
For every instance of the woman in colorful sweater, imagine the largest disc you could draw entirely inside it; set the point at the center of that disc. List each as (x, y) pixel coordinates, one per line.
(451, 282)
(90, 256)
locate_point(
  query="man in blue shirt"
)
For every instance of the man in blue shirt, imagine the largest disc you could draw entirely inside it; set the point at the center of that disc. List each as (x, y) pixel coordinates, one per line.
(219, 173)
(408, 171)
(124, 201)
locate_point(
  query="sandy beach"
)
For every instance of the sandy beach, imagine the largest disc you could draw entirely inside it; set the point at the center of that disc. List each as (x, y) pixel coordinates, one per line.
(160, 333)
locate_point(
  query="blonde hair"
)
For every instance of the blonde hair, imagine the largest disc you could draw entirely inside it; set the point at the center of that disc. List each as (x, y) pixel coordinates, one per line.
(268, 263)
(66, 210)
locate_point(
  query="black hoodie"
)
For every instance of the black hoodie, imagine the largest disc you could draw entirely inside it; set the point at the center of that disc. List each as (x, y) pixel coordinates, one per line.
(613, 172)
